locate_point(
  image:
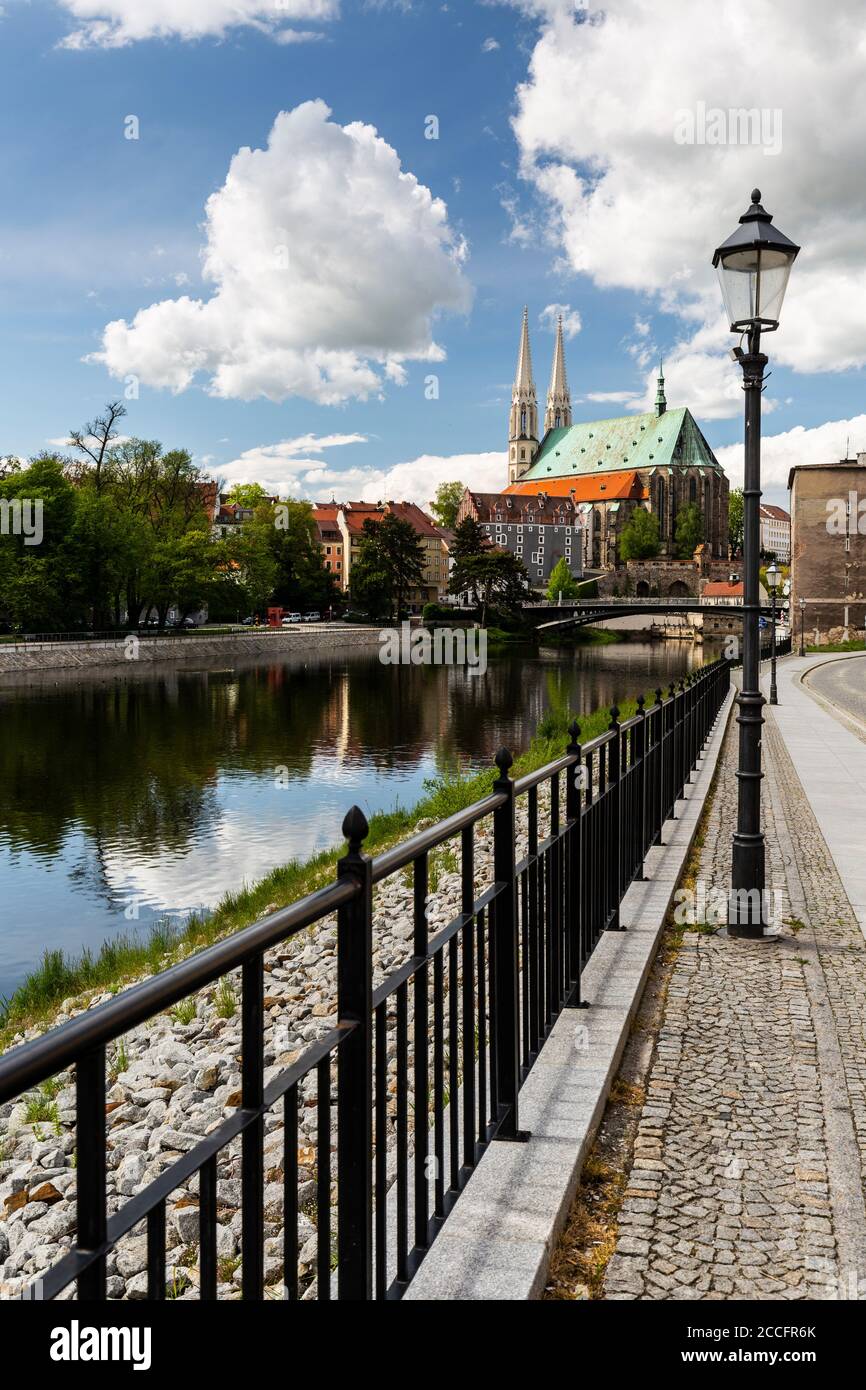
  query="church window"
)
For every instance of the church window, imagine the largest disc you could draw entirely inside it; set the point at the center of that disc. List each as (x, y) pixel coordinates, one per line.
(693, 490)
(660, 504)
(523, 422)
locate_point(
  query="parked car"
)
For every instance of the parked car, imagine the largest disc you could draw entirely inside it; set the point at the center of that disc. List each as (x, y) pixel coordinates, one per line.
(248, 622)
(293, 618)
(312, 617)
(185, 624)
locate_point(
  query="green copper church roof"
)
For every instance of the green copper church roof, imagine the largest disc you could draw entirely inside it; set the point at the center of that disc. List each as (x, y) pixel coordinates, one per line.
(629, 441)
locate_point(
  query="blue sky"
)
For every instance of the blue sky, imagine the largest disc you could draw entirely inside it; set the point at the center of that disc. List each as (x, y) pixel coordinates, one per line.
(546, 194)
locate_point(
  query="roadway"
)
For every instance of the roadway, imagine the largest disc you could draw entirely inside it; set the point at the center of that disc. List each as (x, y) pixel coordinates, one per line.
(843, 684)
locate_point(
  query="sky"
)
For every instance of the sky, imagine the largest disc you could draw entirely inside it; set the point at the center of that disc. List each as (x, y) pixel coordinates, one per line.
(296, 236)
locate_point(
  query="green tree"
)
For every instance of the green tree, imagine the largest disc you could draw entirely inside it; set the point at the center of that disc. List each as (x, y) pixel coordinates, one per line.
(370, 585)
(248, 495)
(735, 520)
(688, 531)
(561, 582)
(470, 542)
(40, 581)
(502, 582)
(392, 549)
(640, 536)
(281, 558)
(446, 504)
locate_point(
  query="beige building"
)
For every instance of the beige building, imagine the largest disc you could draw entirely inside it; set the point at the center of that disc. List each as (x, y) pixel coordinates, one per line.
(828, 549)
(341, 530)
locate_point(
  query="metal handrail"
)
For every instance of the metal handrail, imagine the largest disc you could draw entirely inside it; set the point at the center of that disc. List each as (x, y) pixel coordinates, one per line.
(477, 998)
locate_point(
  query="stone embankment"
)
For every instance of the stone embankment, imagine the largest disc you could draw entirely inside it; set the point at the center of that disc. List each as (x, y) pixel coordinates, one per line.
(173, 1080)
(19, 657)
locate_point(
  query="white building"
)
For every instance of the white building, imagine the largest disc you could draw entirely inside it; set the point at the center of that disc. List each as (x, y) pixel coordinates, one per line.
(776, 532)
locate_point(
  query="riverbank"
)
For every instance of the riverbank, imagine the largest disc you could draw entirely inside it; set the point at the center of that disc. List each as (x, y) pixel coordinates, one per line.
(122, 651)
(64, 983)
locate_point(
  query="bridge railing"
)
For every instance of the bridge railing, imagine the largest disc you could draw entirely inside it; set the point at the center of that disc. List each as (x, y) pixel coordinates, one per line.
(419, 1071)
(693, 601)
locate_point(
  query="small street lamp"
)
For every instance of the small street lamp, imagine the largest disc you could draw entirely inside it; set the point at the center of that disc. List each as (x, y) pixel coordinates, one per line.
(753, 266)
(802, 627)
(773, 576)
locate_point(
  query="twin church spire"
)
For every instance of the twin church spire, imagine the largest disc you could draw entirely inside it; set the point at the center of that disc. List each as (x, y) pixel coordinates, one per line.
(523, 437)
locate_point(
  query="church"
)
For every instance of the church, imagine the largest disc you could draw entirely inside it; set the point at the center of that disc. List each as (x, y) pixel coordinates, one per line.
(659, 460)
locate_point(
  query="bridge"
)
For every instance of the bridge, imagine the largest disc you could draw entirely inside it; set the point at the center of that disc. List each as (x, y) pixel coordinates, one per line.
(582, 612)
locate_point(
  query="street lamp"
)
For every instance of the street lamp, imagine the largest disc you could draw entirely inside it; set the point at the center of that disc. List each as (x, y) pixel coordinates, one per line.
(753, 267)
(774, 574)
(802, 627)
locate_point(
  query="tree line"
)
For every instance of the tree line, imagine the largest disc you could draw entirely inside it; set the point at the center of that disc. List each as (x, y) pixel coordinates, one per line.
(126, 535)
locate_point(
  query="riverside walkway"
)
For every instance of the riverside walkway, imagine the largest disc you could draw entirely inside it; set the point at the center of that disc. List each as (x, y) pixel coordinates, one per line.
(749, 1162)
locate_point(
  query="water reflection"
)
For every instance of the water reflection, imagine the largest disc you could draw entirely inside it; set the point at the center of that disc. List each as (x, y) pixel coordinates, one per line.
(133, 793)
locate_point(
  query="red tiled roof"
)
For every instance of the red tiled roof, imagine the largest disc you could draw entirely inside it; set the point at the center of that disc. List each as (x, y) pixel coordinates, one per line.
(774, 513)
(718, 588)
(356, 513)
(605, 487)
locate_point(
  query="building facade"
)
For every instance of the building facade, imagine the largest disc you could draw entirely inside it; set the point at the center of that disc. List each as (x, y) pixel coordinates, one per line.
(775, 532)
(828, 550)
(659, 460)
(539, 528)
(340, 527)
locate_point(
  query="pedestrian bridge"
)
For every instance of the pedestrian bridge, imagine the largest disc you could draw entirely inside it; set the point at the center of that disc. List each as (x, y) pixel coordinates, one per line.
(582, 612)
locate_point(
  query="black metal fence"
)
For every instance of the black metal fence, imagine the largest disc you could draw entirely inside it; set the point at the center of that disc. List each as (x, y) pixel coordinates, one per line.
(423, 1070)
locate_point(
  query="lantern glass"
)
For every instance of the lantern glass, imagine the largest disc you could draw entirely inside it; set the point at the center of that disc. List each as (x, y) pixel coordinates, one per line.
(753, 281)
(773, 577)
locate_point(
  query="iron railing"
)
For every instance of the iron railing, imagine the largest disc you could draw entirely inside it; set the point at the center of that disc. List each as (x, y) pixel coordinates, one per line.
(423, 1070)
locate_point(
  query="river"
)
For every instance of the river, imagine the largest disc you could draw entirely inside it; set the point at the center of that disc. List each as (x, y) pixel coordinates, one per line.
(130, 795)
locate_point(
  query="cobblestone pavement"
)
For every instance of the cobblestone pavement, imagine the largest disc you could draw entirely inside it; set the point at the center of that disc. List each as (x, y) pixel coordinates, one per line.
(747, 1179)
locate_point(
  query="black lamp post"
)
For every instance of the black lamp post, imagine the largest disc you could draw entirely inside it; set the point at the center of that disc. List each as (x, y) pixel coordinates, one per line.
(753, 267)
(774, 574)
(802, 627)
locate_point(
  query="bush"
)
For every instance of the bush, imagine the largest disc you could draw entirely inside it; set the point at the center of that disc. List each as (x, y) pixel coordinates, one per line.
(441, 612)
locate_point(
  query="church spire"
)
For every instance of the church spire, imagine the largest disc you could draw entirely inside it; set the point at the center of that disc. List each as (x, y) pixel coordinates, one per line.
(523, 378)
(558, 412)
(661, 401)
(523, 420)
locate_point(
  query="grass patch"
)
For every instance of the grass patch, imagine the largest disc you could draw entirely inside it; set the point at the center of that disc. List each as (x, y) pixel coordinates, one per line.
(854, 645)
(125, 958)
(225, 999)
(41, 1110)
(582, 637)
(185, 1011)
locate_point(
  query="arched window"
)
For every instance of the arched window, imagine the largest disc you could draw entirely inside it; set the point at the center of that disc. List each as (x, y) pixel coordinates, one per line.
(693, 490)
(523, 421)
(557, 420)
(660, 503)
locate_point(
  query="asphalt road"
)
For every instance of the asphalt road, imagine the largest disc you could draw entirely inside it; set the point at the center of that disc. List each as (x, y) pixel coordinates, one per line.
(844, 684)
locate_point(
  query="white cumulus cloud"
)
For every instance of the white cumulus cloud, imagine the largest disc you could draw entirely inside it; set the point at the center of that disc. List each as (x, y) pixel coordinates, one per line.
(283, 469)
(329, 263)
(115, 23)
(599, 126)
(780, 452)
(571, 322)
